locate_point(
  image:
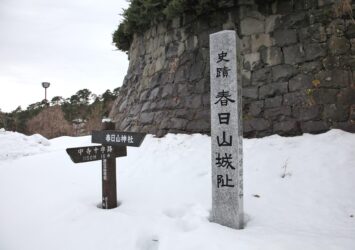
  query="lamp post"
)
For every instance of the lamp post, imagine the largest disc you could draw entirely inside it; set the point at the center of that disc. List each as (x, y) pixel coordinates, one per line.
(45, 85)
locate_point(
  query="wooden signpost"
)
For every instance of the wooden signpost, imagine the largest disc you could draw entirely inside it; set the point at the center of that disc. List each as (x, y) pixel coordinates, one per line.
(113, 144)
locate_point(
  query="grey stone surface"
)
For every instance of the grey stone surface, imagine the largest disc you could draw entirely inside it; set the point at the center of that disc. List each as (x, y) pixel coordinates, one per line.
(259, 41)
(325, 2)
(246, 78)
(250, 26)
(273, 89)
(146, 118)
(252, 61)
(206, 100)
(270, 23)
(347, 61)
(284, 37)
(314, 126)
(261, 76)
(251, 92)
(277, 113)
(271, 56)
(313, 33)
(314, 51)
(226, 132)
(255, 108)
(346, 126)
(336, 27)
(154, 94)
(331, 61)
(184, 113)
(346, 96)
(310, 67)
(198, 126)
(352, 42)
(335, 78)
(301, 81)
(285, 127)
(197, 70)
(296, 98)
(296, 19)
(283, 72)
(295, 52)
(204, 115)
(123, 105)
(245, 45)
(306, 113)
(194, 102)
(338, 113)
(273, 102)
(200, 86)
(352, 113)
(325, 96)
(167, 90)
(256, 124)
(350, 31)
(178, 123)
(338, 45)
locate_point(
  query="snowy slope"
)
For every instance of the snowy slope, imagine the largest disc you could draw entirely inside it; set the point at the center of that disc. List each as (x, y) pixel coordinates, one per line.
(299, 194)
(14, 145)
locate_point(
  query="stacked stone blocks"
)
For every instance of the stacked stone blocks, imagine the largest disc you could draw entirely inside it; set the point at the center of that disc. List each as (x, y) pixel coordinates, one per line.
(297, 70)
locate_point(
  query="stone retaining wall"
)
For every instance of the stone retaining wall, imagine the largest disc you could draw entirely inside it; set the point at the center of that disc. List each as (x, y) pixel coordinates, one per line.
(297, 60)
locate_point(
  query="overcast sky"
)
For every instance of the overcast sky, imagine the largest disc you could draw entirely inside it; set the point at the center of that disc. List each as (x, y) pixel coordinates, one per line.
(67, 43)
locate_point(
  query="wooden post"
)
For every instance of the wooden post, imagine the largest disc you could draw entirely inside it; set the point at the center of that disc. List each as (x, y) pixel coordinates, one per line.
(113, 144)
(109, 183)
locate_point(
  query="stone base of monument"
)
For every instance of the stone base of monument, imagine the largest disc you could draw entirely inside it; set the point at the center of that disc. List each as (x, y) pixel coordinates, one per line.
(244, 219)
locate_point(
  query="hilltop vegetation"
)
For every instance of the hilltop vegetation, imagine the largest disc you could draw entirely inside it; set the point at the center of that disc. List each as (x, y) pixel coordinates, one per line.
(56, 118)
(142, 14)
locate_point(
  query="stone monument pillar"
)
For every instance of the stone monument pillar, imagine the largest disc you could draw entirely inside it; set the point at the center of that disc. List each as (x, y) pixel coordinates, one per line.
(226, 131)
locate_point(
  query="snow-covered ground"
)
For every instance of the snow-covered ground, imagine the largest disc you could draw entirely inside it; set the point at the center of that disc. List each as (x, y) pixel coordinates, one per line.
(14, 145)
(299, 194)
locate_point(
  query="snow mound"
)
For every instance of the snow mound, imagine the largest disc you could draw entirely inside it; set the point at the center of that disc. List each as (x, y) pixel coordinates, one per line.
(299, 195)
(14, 145)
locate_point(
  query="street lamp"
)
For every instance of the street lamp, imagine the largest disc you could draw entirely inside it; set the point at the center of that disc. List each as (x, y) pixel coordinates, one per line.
(45, 85)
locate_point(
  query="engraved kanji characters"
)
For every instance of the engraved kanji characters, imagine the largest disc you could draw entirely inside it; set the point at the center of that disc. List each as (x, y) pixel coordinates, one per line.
(221, 57)
(224, 141)
(224, 181)
(223, 98)
(224, 118)
(224, 160)
(222, 71)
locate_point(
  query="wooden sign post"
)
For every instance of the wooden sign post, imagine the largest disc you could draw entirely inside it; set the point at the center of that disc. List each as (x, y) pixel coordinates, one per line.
(226, 131)
(109, 179)
(114, 144)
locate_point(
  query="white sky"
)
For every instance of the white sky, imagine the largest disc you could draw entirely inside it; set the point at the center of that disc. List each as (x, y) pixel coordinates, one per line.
(67, 43)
